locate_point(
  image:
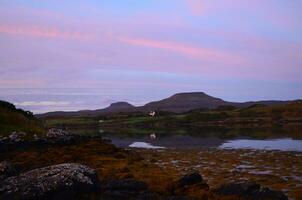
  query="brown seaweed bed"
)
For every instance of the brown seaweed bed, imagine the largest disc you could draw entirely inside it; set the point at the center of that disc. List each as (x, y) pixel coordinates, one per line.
(279, 170)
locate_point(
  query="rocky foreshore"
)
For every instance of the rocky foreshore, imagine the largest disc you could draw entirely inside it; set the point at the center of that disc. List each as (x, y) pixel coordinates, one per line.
(20, 140)
(66, 166)
(76, 181)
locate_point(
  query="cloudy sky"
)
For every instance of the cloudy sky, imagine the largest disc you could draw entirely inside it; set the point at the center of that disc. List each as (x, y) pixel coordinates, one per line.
(72, 54)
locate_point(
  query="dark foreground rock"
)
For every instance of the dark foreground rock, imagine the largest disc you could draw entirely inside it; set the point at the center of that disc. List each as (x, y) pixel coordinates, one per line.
(54, 182)
(190, 179)
(6, 170)
(190, 185)
(249, 191)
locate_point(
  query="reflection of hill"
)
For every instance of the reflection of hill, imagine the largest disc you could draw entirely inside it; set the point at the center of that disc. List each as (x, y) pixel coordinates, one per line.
(210, 132)
(170, 141)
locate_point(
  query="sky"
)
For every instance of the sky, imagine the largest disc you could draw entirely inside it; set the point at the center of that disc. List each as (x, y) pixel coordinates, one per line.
(73, 55)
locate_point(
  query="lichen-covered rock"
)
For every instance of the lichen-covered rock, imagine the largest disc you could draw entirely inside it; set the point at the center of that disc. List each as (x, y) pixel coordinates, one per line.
(17, 136)
(59, 135)
(54, 182)
(249, 190)
(14, 137)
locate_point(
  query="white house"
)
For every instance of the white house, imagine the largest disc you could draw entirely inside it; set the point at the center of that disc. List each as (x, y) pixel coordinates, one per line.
(152, 113)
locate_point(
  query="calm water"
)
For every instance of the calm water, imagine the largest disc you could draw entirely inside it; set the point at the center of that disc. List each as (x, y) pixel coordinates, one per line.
(285, 140)
(284, 144)
(189, 142)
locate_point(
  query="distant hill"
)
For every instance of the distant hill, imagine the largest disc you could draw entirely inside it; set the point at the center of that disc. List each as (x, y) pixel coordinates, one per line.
(119, 107)
(13, 119)
(181, 102)
(113, 108)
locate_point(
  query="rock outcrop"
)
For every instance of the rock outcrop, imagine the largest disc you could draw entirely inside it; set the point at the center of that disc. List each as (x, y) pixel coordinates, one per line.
(63, 181)
(15, 137)
(17, 140)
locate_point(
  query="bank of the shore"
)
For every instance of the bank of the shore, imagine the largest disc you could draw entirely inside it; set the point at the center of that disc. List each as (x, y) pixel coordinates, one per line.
(160, 170)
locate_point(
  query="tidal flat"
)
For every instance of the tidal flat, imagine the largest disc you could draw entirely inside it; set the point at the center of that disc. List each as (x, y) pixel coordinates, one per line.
(158, 168)
(279, 170)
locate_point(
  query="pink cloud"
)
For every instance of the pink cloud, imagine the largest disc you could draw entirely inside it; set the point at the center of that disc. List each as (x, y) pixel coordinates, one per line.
(200, 53)
(196, 6)
(49, 32)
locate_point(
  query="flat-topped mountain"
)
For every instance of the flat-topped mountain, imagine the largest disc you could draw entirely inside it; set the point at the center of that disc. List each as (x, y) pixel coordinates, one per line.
(119, 107)
(180, 102)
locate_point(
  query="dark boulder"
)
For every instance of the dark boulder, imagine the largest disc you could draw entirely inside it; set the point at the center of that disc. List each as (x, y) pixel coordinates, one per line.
(190, 179)
(249, 190)
(54, 182)
(6, 170)
(268, 194)
(190, 185)
(241, 189)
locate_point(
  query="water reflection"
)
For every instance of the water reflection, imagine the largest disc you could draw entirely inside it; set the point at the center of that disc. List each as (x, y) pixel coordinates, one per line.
(285, 144)
(153, 136)
(285, 139)
(144, 145)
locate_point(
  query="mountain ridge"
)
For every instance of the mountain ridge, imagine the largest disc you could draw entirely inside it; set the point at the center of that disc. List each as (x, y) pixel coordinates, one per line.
(178, 103)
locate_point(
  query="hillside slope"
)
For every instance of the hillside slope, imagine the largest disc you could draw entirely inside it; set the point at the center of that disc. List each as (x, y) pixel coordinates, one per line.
(13, 119)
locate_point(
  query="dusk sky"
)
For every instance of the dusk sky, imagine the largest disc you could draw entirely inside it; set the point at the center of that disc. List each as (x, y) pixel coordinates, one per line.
(72, 54)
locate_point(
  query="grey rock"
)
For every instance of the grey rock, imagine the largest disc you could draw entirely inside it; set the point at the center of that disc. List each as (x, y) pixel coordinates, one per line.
(17, 137)
(53, 182)
(59, 135)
